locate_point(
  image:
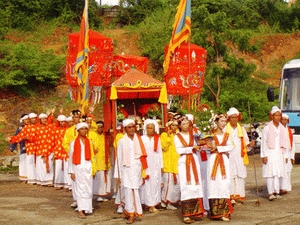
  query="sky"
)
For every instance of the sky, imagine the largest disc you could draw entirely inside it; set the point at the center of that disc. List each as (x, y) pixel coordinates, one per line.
(109, 2)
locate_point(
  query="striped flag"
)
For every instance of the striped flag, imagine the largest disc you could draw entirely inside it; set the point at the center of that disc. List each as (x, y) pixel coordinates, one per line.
(181, 30)
(82, 61)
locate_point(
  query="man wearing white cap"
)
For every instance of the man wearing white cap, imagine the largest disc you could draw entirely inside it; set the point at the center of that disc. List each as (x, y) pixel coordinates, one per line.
(273, 153)
(131, 160)
(285, 183)
(150, 191)
(27, 132)
(238, 157)
(24, 120)
(82, 169)
(61, 178)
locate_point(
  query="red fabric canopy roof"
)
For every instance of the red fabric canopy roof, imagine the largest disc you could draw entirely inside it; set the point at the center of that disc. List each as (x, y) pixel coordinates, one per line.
(185, 75)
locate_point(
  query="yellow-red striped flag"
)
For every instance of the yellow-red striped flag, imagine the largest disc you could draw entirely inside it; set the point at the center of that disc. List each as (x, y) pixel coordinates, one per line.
(181, 30)
(81, 70)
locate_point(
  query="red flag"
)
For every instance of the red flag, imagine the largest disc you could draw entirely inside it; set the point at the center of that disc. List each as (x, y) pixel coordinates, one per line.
(181, 30)
(82, 60)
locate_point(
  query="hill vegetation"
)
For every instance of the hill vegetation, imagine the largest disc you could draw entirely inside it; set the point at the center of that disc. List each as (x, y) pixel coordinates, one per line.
(247, 42)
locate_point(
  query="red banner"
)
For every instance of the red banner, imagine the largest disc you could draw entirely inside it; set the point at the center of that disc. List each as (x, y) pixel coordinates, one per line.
(100, 57)
(122, 63)
(185, 75)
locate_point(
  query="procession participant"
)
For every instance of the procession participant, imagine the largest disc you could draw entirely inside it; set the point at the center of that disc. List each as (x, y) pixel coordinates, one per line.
(218, 172)
(285, 183)
(150, 191)
(70, 135)
(44, 151)
(202, 156)
(70, 121)
(26, 133)
(61, 178)
(24, 120)
(131, 161)
(117, 186)
(238, 157)
(82, 169)
(91, 122)
(273, 150)
(102, 179)
(189, 168)
(171, 190)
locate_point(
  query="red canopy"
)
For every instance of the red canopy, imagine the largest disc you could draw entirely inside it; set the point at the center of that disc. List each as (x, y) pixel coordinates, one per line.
(100, 56)
(185, 75)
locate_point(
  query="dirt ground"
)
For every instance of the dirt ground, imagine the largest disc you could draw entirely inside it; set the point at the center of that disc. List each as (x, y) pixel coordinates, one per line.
(25, 204)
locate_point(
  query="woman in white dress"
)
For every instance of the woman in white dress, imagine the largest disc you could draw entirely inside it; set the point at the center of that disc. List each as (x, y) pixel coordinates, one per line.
(218, 172)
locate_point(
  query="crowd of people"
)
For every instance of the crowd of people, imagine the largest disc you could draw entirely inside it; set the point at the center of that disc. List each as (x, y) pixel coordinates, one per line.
(203, 174)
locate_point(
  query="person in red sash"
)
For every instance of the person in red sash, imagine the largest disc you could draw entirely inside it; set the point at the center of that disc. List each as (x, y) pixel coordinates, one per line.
(129, 167)
(189, 173)
(82, 168)
(218, 172)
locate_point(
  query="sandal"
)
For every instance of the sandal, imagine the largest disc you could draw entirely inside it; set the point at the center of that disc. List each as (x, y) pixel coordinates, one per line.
(187, 220)
(81, 215)
(130, 220)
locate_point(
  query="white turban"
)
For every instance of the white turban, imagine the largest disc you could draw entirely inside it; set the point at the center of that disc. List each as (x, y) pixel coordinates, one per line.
(126, 122)
(70, 118)
(24, 118)
(233, 111)
(43, 116)
(285, 116)
(275, 109)
(32, 115)
(61, 118)
(190, 117)
(81, 125)
(151, 121)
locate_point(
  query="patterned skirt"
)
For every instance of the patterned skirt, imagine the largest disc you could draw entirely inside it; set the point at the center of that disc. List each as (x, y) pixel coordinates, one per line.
(220, 207)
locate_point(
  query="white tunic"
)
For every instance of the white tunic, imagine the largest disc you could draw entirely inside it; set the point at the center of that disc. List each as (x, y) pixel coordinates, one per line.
(151, 189)
(193, 190)
(83, 184)
(276, 162)
(131, 176)
(236, 161)
(220, 187)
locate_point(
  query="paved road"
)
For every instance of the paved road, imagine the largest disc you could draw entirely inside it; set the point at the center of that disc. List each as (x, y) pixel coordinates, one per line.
(25, 204)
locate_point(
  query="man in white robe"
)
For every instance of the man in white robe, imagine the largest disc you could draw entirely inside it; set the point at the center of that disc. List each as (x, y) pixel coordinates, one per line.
(82, 169)
(273, 150)
(128, 170)
(238, 158)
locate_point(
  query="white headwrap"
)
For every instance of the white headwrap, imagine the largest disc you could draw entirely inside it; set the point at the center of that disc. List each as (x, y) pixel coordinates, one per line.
(81, 125)
(43, 116)
(190, 117)
(32, 115)
(126, 122)
(61, 118)
(70, 118)
(24, 118)
(275, 109)
(233, 111)
(151, 121)
(285, 116)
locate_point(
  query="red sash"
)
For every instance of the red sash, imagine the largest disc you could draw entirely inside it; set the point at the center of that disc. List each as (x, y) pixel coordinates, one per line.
(219, 158)
(190, 161)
